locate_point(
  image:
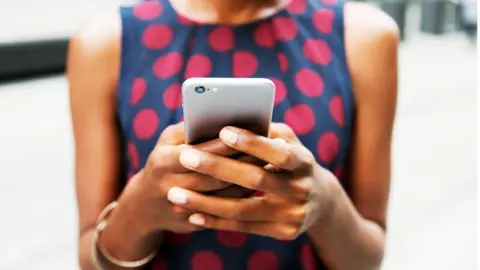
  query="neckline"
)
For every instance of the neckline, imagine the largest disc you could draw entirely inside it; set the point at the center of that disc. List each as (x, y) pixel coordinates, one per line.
(279, 12)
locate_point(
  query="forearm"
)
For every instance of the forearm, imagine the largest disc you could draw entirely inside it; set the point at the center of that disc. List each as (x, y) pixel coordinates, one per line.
(122, 239)
(347, 241)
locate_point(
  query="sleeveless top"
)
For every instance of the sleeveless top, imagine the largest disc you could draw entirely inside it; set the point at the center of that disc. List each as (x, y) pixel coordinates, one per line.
(300, 48)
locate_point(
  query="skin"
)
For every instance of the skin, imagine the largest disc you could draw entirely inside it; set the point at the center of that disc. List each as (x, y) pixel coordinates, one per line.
(341, 223)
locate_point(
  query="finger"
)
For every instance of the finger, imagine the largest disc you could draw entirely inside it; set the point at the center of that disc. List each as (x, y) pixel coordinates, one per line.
(172, 135)
(243, 174)
(280, 231)
(198, 182)
(273, 151)
(166, 157)
(281, 130)
(245, 209)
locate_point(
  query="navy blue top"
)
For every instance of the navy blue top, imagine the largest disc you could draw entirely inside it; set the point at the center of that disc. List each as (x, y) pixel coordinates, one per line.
(300, 48)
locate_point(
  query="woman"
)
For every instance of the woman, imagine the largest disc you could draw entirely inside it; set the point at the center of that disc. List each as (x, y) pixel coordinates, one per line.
(335, 69)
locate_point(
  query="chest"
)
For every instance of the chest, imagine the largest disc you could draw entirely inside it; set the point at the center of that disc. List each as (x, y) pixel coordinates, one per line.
(311, 95)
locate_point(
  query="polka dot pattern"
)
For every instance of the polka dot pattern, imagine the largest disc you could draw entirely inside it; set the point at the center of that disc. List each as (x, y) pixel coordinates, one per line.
(168, 65)
(198, 65)
(133, 155)
(285, 28)
(263, 36)
(336, 110)
(309, 82)
(221, 39)
(157, 36)
(307, 257)
(263, 260)
(232, 239)
(298, 49)
(145, 123)
(300, 118)
(317, 51)
(177, 238)
(147, 10)
(245, 64)
(323, 20)
(328, 146)
(280, 90)
(172, 96)
(206, 260)
(282, 61)
(139, 86)
(297, 6)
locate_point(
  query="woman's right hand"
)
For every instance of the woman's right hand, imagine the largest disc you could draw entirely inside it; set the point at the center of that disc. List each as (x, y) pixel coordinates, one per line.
(144, 199)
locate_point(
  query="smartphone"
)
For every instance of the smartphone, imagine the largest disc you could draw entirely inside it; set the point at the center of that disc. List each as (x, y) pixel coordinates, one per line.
(210, 104)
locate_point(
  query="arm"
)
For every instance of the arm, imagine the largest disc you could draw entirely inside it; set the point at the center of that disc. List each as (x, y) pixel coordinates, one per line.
(92, 68)
(355, 235)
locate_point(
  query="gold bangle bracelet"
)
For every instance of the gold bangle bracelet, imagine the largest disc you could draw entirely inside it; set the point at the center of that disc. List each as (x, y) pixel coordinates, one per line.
(101, 225)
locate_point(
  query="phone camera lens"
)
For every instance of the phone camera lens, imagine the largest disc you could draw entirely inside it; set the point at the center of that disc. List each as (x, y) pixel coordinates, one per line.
(199, 89)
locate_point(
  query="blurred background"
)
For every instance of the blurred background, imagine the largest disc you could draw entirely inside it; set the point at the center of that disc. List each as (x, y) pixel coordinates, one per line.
(433, 215)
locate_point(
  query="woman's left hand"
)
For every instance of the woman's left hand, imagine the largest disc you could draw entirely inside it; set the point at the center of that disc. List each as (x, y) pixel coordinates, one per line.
(297, 191)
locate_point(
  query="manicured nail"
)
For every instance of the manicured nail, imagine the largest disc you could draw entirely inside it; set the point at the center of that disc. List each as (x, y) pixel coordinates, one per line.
(280, 141)
(177, 196)
(196, 219)
(228, 136)
(190, 158)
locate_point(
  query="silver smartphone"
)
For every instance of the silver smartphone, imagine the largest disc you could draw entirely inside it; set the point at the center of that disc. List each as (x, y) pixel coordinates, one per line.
(209, 104)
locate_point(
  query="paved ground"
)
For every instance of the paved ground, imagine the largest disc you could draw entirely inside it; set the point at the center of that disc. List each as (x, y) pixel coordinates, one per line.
(433, 206)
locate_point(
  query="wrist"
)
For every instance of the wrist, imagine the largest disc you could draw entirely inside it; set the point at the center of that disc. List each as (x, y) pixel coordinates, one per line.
(125, 238)
(332, 203)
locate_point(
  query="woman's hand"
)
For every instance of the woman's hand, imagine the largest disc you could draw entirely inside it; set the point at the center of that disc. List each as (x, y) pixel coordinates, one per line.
(297, 191)
(144, 198)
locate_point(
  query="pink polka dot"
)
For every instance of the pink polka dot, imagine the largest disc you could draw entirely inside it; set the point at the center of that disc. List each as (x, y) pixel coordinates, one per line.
(323, 20)
(184, 20)
(245, 64)
(133, 155)
(177, 238)
(206, 260)
(258, 194)
(168, 65)
(336, 110)
(297, 6)
(280, 90)
(283, 61)
(172, 96)
(232, 239)
(309, 82)
(285, 28)
(317, 51)
(145, 123)
(327, 146)
(221, 39)
(338, 171)
(329, 2)
(139, 86)
(263, 260)
(159, 263)
(181, 119)
(198, 65)
(263, 35)
(300, 118)
(148, 10)
(157, 36)
(307, 257)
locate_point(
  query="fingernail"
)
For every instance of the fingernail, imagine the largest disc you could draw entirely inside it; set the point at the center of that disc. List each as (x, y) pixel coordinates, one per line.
(189, 158)
(196, 219)
(228, 136)
(177, 196)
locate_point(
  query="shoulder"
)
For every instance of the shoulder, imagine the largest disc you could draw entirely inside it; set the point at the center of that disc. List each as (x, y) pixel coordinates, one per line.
(371, 41)
(94, 50)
